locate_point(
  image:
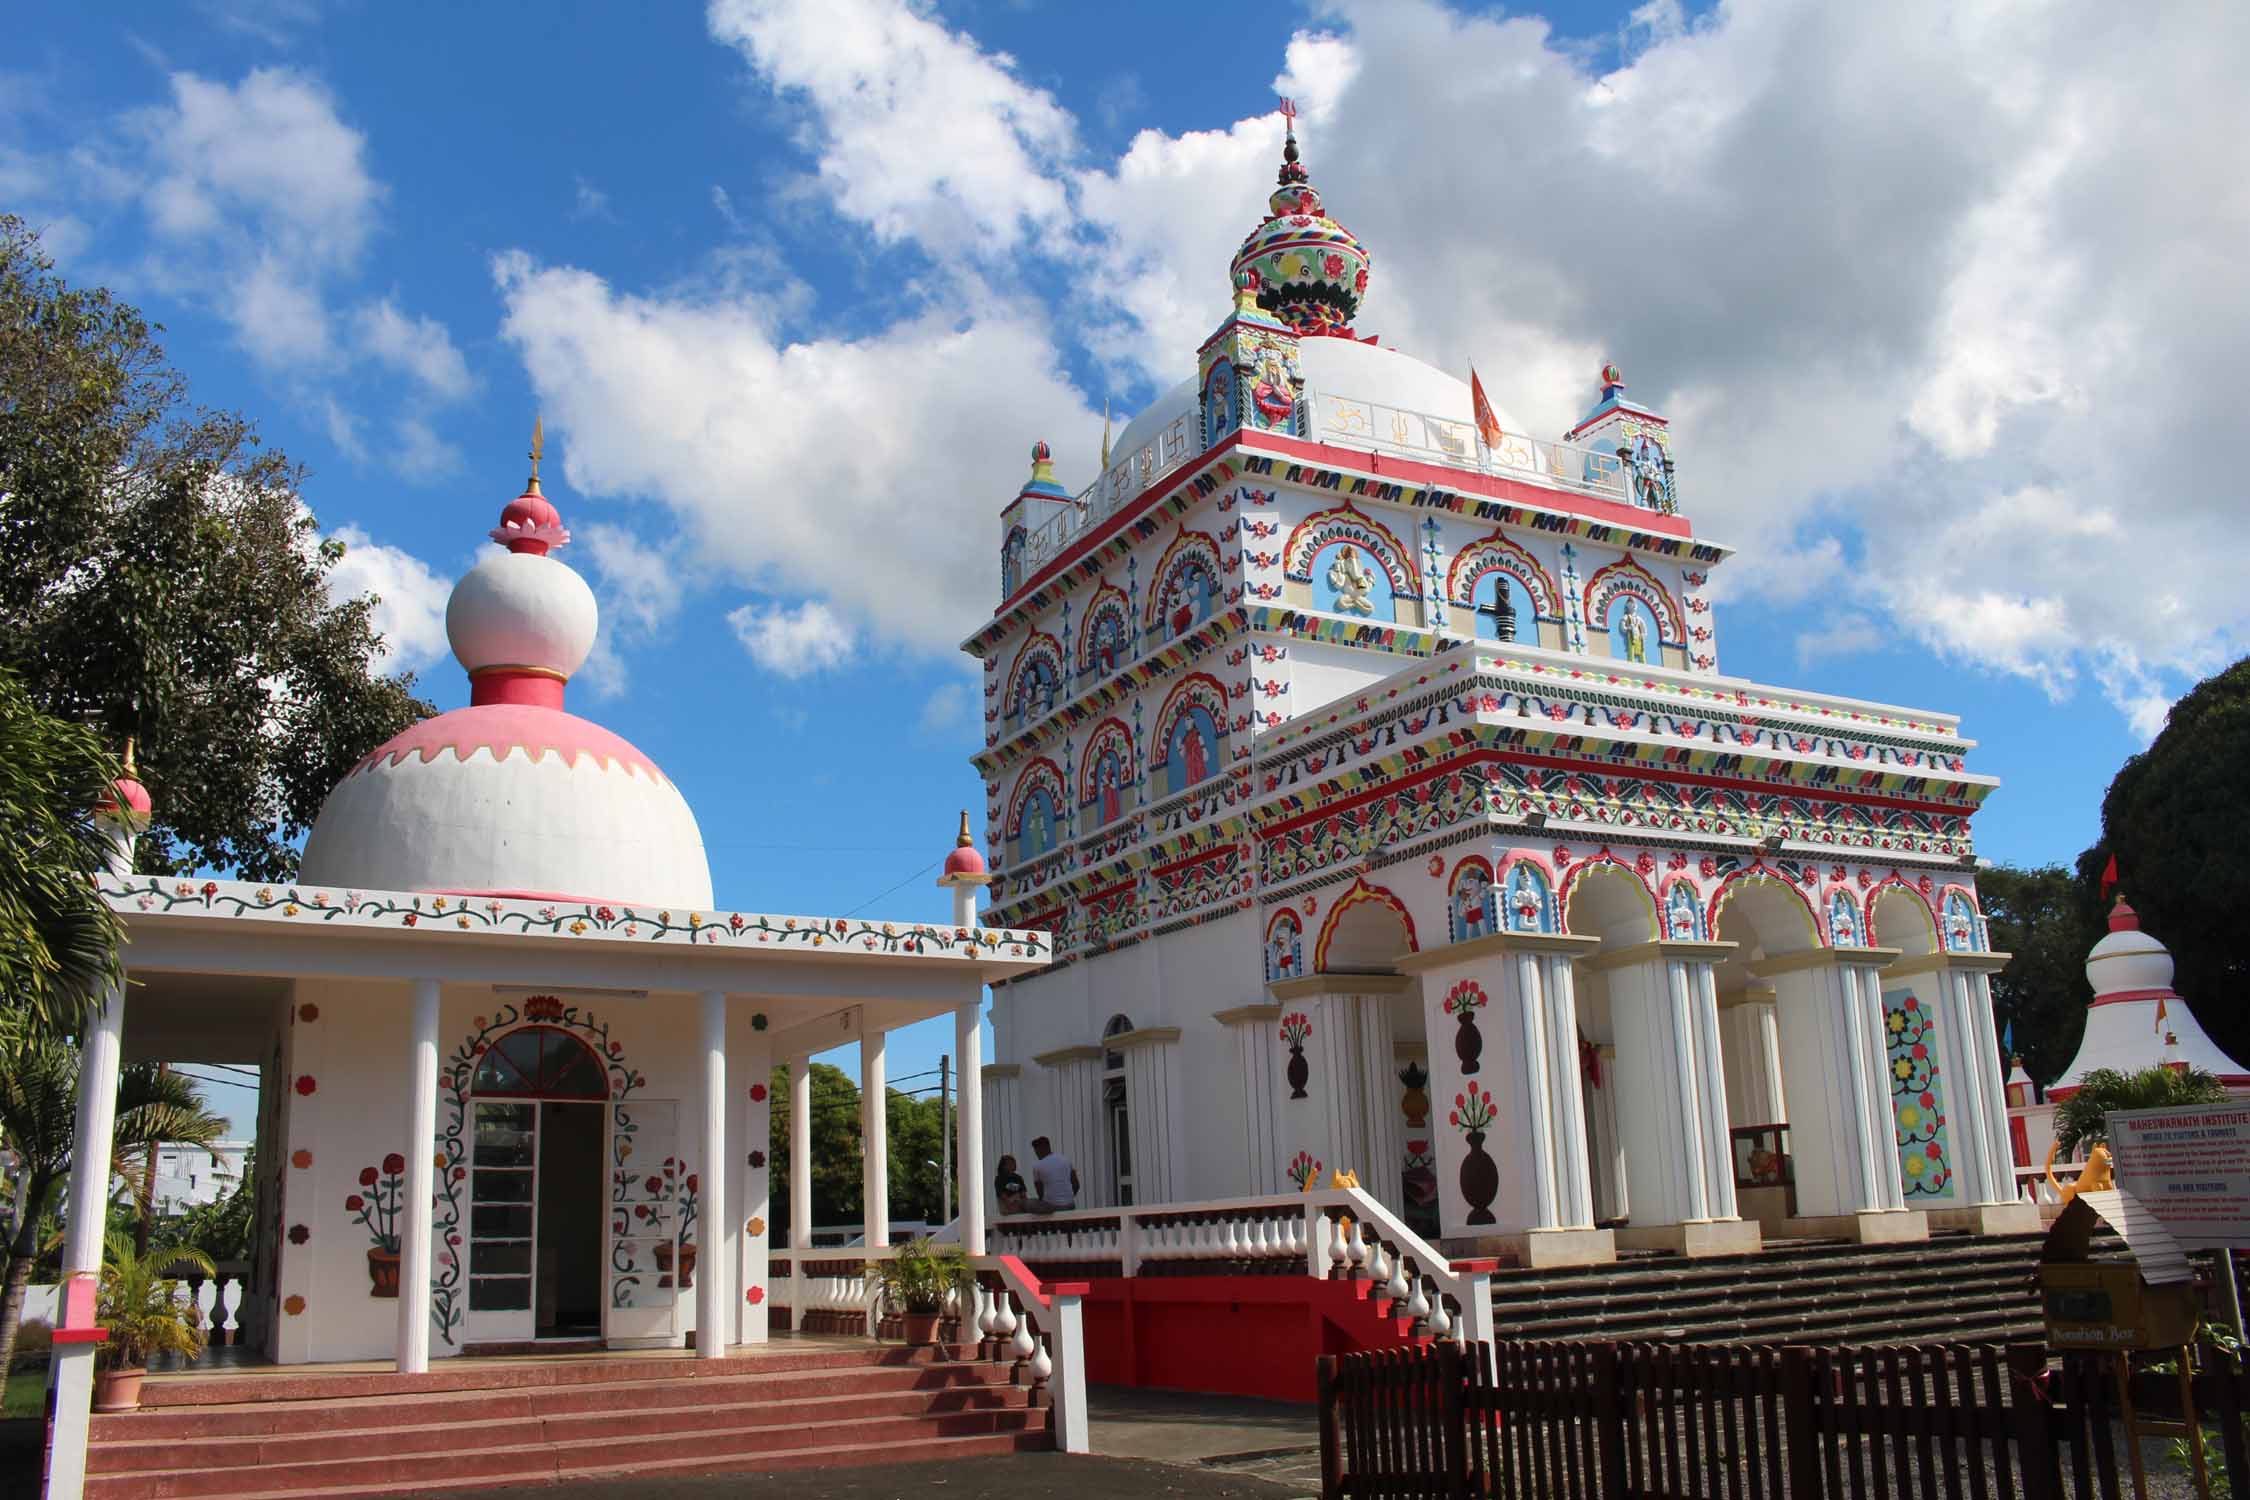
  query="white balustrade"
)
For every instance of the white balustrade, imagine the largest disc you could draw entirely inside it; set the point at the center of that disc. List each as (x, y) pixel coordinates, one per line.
(1042, 1363)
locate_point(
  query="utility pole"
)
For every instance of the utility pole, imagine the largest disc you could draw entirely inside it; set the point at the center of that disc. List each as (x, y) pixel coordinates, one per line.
(945, 1135)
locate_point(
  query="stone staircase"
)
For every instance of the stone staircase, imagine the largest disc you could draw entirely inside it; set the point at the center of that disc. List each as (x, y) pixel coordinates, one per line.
(295, 1436)
(1952, 1288)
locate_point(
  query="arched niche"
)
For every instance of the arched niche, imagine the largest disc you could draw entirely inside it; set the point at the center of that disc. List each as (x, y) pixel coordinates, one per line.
(1366, 931)
(1899, 917)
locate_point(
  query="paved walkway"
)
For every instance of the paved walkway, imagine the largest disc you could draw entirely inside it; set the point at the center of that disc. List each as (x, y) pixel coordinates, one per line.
(1231, 1436)
(1019, 1476)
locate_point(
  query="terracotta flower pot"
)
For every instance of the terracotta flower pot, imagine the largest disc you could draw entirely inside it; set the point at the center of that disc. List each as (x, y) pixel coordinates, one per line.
(382, 1269)
(117, 1390)
(920, 1329)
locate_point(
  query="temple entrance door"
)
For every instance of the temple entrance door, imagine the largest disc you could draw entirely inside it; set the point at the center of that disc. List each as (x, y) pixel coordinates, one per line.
(536, 1188)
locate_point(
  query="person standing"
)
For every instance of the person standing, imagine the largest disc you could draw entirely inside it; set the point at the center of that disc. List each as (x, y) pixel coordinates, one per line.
(1054, 1177)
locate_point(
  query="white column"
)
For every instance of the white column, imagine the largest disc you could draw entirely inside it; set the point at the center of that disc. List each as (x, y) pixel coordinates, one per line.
(1566, 1083)
(1841, 1131)
(1992, 1086)
(415, 1202)
(800, 1158)
(1251, 1027)
(1752, 1047)
(1530, 1034)
(874, 1103)
(1711, 1086)
(87, 1205)
(968, 1046)
(711, 1300)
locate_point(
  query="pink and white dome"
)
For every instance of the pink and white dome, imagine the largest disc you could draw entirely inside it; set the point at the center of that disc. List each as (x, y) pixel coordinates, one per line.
(512, 796)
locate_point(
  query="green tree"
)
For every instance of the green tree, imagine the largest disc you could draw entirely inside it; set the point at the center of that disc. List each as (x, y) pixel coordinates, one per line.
(223, 1227)
(2079, 1119)
(162, 580)
(38, 1117)
(2040, 918)
(58, 938)
(835, 1148)
(2177, 819)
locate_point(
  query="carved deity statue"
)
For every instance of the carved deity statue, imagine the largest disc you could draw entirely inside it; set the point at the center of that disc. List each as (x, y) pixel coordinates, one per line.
(1636, 635)
(1352, 581)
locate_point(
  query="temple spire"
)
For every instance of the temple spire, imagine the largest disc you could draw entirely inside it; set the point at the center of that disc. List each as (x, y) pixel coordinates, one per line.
(538, 447)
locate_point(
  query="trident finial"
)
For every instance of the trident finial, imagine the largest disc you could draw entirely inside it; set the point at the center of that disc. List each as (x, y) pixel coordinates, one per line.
(538, 447)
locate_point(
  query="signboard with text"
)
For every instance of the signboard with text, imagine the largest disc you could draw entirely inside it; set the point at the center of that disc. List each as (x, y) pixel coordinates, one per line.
(2190, 1168)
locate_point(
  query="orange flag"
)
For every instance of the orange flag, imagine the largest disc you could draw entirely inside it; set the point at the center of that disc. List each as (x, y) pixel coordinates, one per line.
(1488, 425)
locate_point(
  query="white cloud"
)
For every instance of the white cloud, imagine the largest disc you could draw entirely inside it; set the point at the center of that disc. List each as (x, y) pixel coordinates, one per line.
(641, 586)
(1837, 635)
(591, 202)
(793, 642)
(418, 347)
(864, 472)
(419, 455)
(946, 710)
(920, 133)
(410, 599)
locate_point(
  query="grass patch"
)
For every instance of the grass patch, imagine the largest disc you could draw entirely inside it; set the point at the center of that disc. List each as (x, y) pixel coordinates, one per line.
(26, 1394)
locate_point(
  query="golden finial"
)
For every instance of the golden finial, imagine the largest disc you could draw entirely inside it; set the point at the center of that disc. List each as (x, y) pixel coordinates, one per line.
(131, 769)
(1105, 434)
(965, 841)
(538, 446)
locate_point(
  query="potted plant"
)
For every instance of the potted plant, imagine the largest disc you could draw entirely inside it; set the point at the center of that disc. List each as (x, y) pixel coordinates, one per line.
(141, 1309)
(916, 1283)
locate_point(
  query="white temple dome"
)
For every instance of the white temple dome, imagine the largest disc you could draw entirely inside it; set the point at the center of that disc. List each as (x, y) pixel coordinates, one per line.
(2128, 960)
(1333, 367)
(512, 796)
(521, 609)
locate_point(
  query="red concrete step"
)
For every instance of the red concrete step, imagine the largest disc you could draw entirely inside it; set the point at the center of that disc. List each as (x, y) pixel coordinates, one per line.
(828, 1456)
(896, 1440)
(530, 1374)
(444, 1426)
(750, 1383)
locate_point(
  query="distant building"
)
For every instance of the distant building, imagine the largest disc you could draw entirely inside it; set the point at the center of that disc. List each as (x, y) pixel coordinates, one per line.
(189, 1176)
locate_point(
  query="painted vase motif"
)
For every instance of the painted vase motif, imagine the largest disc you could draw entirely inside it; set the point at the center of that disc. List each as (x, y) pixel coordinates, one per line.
(382, 1269)
(1296, 1028)
(1415, 1103)
(1480, 1180)
(1472, 1112)
(1462, 1002)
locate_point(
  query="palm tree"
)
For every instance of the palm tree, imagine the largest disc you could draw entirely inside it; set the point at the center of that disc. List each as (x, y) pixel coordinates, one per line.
(58, 937)
(38, 1117)
(2079, 1120)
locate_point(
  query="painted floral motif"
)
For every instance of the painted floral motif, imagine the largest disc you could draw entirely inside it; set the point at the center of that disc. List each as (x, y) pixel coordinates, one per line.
(1303, 1168)
(300, 1158)
(1465, 997)
(573, 919)
(376, 1207)
(1472, 1112)
(1296, 1030)
(1917, 1097)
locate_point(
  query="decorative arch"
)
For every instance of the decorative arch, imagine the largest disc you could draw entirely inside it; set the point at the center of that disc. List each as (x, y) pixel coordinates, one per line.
(1106, 770)
(1627, 578)
(1285, 945)
(1359, 895)
(1038, 797)
(1605, 861)
(1682, 911)
(1186, 584)
(1470, 910)
(1037, 671)
(540, 1062)
(1191, 732)
(1759, 875)
(448, 1269)
(1106, 633)
(1344, 523)
(1847, 925)
(1527, 896)
(1930, 927)
(1497, 554)
(1961, 922)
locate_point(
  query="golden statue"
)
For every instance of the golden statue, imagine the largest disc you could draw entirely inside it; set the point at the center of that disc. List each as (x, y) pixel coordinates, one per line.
(2097, 1176)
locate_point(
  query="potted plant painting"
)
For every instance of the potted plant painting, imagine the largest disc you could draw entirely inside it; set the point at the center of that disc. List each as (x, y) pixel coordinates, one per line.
(916, 1283)
(376, 1205)
(142, 1311)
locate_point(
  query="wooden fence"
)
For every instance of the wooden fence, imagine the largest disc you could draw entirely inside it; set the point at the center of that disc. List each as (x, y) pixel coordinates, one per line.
(1599, 1421)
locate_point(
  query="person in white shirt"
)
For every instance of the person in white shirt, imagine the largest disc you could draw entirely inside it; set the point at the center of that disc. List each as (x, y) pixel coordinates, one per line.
(1055, 1179)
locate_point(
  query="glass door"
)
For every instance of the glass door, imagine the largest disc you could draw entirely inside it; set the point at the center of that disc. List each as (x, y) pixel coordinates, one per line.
(503, 1215)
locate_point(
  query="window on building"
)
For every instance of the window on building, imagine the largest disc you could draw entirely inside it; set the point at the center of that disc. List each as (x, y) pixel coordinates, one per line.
(1116, 1118)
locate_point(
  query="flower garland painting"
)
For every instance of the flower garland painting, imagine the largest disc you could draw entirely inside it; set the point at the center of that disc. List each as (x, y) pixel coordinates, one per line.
(1917, 1100)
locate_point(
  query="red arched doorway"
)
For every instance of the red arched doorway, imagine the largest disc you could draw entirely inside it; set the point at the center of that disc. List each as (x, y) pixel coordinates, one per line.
(536, 1200)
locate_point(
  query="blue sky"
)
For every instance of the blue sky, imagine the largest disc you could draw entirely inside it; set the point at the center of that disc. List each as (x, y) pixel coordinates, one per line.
(796, 286)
